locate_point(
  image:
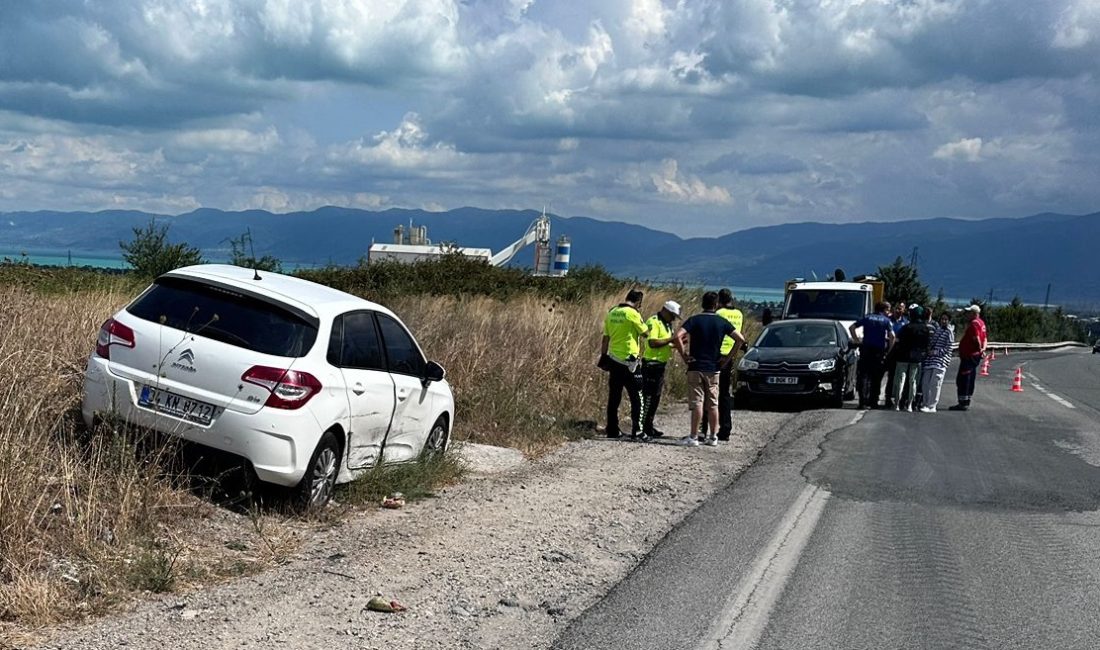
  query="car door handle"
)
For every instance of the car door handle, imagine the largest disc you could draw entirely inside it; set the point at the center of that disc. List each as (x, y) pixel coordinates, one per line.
(402, 394)
(358, 388)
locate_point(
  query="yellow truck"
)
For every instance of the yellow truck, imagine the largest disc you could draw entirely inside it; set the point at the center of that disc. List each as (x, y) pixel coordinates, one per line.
(846, 302)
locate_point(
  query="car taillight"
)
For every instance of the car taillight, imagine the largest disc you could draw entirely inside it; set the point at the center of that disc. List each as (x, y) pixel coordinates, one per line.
(113, 333)
(290, 389)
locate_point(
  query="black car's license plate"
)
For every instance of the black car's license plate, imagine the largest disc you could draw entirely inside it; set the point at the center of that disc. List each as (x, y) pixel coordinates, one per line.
(783, 380)
(176, 405)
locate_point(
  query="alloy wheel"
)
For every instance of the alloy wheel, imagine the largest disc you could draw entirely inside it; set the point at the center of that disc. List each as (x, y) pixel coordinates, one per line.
(324, 477)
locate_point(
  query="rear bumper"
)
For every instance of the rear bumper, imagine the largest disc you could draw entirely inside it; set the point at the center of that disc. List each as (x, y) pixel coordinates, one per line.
(278, 443)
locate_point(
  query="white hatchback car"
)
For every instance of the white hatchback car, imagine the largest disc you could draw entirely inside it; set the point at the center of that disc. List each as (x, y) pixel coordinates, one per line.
(309, 384)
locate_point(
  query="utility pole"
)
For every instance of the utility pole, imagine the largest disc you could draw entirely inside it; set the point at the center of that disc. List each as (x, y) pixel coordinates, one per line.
(914, 257)
(1046, 302)
(990, 295)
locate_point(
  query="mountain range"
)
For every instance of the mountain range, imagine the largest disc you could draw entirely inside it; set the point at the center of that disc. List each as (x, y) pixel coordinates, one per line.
(967, 258)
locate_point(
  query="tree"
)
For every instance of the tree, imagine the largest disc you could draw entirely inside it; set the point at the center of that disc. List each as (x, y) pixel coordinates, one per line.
(150, 254)
(241, 253)
(903, 283)
(940, 305)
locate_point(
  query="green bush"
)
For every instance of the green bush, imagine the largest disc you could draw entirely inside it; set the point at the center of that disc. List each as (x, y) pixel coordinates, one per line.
(150, 254)
(1020, 323)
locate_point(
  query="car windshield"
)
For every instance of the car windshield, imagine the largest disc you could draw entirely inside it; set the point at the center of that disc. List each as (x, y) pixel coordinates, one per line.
(835, 304)
(227, 316)
(797, 335)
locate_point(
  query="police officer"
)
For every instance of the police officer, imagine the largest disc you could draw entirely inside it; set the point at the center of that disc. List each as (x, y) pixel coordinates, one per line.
(727, 310)
(656, 351)
(619, 356)
(878, 339)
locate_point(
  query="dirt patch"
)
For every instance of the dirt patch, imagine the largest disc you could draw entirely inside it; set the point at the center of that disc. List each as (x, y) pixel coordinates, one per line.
(502, 561)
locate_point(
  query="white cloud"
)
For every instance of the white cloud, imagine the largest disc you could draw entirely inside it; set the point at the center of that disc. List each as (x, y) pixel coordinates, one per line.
(406, 147)
(229, 140)
(684, 188)
(274, 199)
(968, 149)
(1077, 25)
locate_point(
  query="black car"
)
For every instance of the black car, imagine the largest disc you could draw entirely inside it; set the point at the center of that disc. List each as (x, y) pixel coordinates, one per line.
(799, 357)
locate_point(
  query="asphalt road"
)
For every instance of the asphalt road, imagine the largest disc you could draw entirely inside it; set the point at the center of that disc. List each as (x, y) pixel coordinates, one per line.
(892, 530)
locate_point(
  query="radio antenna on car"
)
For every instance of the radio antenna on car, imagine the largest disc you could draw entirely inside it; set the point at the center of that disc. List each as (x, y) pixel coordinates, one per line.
(252, 251)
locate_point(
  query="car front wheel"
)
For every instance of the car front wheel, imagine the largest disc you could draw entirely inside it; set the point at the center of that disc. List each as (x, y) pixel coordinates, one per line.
(317, 485)
(436, 443)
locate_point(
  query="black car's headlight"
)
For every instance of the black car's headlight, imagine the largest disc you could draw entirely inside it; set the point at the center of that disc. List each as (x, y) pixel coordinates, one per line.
(748, 364)
(823, 365)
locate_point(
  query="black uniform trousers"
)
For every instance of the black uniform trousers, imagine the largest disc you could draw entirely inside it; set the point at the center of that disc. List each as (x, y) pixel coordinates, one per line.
(620, 378)
(653, 384)
(871, 366)
(967, 377)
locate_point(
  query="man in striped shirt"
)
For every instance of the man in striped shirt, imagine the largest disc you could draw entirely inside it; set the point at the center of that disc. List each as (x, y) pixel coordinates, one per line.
(936, 360)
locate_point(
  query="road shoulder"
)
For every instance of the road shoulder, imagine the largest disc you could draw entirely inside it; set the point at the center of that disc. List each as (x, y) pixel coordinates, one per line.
(506, 560)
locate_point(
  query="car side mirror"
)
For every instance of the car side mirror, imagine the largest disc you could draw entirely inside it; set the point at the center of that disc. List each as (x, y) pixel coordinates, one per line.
(433, 372)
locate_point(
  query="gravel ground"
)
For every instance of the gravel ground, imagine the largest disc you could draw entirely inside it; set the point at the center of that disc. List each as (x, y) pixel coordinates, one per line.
(503, 560)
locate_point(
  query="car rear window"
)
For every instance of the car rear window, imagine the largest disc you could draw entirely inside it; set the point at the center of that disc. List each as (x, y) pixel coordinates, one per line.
(827, 303)
(225, 315)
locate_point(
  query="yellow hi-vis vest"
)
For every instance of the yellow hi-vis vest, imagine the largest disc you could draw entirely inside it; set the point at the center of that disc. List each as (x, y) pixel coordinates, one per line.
(657, 330)
(623, 326)
(736, 318)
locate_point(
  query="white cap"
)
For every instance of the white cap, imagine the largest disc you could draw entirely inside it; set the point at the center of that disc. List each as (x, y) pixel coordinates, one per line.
(974, 308)
(673, 307)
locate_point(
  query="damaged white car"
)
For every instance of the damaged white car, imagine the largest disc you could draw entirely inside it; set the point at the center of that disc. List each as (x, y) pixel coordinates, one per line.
(308, 384)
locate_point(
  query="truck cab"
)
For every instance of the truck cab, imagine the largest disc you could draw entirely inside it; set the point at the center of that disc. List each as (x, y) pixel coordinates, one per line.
(846, 302)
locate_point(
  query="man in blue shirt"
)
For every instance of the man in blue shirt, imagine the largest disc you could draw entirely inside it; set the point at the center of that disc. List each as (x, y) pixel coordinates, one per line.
(878, 338)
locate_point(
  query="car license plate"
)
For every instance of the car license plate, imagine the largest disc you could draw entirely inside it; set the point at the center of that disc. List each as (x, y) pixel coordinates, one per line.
(176, 405)
(782, 380)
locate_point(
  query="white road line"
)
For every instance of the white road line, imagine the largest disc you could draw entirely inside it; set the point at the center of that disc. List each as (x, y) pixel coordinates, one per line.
(1061, 400)
(746, 613)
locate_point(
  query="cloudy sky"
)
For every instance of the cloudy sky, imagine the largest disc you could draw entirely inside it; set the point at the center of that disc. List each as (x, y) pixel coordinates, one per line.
(695, 116)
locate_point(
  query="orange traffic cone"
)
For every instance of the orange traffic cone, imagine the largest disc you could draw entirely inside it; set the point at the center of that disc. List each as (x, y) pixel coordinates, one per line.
(985, 368)
(1018, 382)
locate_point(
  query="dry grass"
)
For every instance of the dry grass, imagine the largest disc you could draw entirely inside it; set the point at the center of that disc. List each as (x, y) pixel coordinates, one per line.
(88, 519)
(524, 372)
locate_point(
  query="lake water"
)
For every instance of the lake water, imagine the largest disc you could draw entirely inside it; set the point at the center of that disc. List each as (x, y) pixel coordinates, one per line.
(62, 258)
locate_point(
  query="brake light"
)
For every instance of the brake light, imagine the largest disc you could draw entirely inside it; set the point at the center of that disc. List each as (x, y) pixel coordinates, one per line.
(290, 389)
(111, 333)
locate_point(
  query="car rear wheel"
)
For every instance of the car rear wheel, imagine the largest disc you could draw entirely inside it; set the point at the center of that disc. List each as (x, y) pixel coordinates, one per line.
(317, 485)
(436, 443)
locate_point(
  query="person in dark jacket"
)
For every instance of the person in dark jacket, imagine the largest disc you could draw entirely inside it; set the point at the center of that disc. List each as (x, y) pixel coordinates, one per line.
(909, 352)
(899, 316)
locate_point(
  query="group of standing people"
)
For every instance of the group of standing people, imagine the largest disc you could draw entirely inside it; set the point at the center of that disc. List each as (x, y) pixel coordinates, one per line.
(906, 344)
(636, 352)
(914, 352)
